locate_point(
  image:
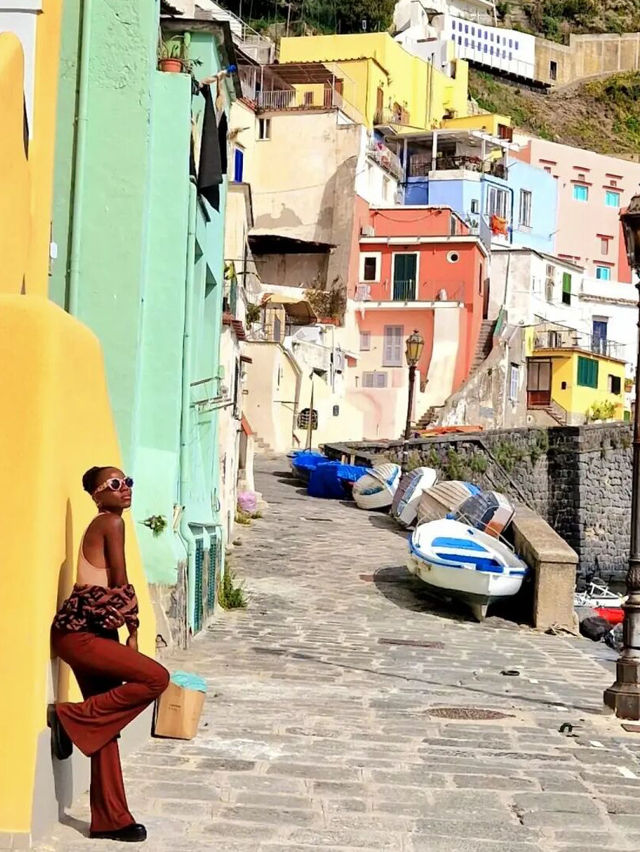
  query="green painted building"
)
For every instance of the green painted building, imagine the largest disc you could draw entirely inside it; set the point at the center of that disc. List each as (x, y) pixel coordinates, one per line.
(140, 261)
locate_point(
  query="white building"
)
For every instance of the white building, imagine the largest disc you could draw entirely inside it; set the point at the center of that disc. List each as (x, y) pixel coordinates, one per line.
(535, 287)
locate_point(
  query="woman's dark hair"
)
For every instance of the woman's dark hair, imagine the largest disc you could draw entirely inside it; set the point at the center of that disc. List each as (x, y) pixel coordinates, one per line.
(90, 478)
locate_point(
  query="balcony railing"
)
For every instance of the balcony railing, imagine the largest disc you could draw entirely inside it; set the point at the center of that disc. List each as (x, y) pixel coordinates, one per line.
(386, 159)
(420, 165)
(290, 99)
(404, 291)
(570, 338)
(392, 116)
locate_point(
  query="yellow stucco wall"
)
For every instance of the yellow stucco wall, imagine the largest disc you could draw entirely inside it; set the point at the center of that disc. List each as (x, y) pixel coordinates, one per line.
(373, 60)
(489, 123)
(14, 174)
(56, 423)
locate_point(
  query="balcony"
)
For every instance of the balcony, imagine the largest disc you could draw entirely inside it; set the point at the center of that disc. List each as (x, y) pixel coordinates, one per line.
(290, 99)
(422, 165)
(571, 338)
(386, 159)
(392, 117)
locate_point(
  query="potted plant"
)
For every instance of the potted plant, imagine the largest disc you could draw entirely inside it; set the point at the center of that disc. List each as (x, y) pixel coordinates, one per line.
(171, 59)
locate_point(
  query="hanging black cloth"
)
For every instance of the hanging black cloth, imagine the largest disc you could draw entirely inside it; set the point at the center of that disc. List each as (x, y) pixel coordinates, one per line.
(222, 139)
(210, 170)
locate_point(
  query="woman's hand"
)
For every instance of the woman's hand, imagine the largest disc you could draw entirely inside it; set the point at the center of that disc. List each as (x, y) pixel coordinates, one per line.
(132, 641)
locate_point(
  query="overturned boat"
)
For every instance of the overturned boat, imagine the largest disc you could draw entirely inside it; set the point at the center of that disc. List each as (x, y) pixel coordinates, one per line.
(410, 490)
(460, 562)
(488, 511)
(445, 497)
(376, 489)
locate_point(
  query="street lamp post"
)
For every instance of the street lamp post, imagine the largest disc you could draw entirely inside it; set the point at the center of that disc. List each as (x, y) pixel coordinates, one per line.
(623, 697)
(413, 351)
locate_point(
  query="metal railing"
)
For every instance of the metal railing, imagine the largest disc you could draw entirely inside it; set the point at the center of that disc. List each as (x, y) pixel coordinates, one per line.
(571, 338)
(289, 99)
(386, 159)
(420, 165)
(404, 291)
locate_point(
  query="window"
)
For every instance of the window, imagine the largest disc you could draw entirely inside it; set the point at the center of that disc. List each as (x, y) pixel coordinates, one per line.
(238, 165)
(264, 128)
(612, 199)
(614, 384)
(475, 206)
(603, 273)
(599, 335)
(613, 182)
(587, 372)
(525, 208)
(453, 257)
(553, 70)
(374, 380)
(365, 341)
(308, 98)
(497, 202)
(514, 382)
(392, 355)
(547, 169)
(604, 245)
(580, 193)
(485, 48)
(566, 288)
(517, 45)
(370, 267)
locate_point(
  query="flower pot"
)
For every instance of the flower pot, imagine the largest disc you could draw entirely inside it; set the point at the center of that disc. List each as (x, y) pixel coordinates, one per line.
(171, 66)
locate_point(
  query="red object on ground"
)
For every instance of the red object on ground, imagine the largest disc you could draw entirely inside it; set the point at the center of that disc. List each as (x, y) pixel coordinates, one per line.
(613, 614)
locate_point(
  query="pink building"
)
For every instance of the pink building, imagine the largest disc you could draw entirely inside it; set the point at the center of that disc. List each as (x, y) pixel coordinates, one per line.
(417, 268)
(592, 188)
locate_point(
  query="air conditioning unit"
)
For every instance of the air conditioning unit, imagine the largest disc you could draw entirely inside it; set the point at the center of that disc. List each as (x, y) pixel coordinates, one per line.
(363, 292)
(367, 231)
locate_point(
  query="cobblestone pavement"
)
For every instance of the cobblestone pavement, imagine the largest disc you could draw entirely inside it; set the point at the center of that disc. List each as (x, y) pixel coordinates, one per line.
(318, 731)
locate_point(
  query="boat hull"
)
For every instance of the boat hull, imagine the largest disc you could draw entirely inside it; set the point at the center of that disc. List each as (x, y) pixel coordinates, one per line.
(376, 489)
(410, 490)
(478, 591)
(445, 497)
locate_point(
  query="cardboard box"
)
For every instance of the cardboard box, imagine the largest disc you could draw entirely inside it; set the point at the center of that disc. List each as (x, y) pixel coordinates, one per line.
(178, 712)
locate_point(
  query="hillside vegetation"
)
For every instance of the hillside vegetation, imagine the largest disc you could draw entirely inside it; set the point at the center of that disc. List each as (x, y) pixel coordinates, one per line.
(556, 19)
(601, 115)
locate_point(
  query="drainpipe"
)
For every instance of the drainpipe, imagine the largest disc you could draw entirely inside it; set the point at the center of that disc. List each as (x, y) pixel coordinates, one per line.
(185, 530)
(79, 165)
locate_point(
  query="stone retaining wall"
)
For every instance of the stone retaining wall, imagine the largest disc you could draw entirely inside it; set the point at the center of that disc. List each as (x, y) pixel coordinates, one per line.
(577, 477)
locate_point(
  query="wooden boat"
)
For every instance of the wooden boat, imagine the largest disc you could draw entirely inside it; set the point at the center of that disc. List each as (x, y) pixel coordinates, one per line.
(445, 497)
(458, 561)
(488, 511)
(411, 488)
(376, 489)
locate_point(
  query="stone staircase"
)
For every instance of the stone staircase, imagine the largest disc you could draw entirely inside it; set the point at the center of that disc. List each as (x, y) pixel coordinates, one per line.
(484, 344)
(483, 350)
(553, 413)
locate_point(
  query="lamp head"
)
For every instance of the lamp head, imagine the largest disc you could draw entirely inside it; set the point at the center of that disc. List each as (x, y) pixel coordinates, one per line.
(414, 347)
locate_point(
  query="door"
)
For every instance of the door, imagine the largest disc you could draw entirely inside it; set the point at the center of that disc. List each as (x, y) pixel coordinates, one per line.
(599, 342)
(238, 165)
(405, 270)
(538, 383)
(379, 117)
(393, 344)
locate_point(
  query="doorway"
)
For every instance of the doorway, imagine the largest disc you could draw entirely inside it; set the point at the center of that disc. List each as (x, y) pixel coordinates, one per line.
(538, 383)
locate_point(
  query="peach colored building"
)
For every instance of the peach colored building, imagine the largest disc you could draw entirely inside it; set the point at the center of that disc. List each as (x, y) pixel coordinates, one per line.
(417, 268)
(592, 189)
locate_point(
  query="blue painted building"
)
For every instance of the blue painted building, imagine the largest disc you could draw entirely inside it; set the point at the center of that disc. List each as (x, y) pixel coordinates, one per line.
(502, 199)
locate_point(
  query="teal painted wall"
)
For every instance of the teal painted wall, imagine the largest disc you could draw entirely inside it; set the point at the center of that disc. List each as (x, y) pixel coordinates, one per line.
(113, 221)
(133, 264)
(157, 432)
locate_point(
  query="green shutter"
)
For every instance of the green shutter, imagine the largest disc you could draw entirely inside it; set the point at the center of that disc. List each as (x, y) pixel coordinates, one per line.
(566, 282)
(587, 372)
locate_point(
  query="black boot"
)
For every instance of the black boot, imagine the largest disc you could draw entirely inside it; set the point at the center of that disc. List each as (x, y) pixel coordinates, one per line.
(61, 744)
(134, 833)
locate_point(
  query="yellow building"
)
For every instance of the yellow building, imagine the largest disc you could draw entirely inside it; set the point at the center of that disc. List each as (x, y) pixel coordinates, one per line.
(571, 381)
(57, 422)
(390, 85)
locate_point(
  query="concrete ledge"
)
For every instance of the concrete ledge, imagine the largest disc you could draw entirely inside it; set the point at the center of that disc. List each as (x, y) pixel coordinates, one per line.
(554, 566)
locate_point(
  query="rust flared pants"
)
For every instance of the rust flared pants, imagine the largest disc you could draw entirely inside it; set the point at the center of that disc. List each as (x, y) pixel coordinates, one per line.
(101, 664)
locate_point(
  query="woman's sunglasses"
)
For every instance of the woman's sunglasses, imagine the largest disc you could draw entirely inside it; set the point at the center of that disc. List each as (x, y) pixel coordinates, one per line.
(115, 484)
